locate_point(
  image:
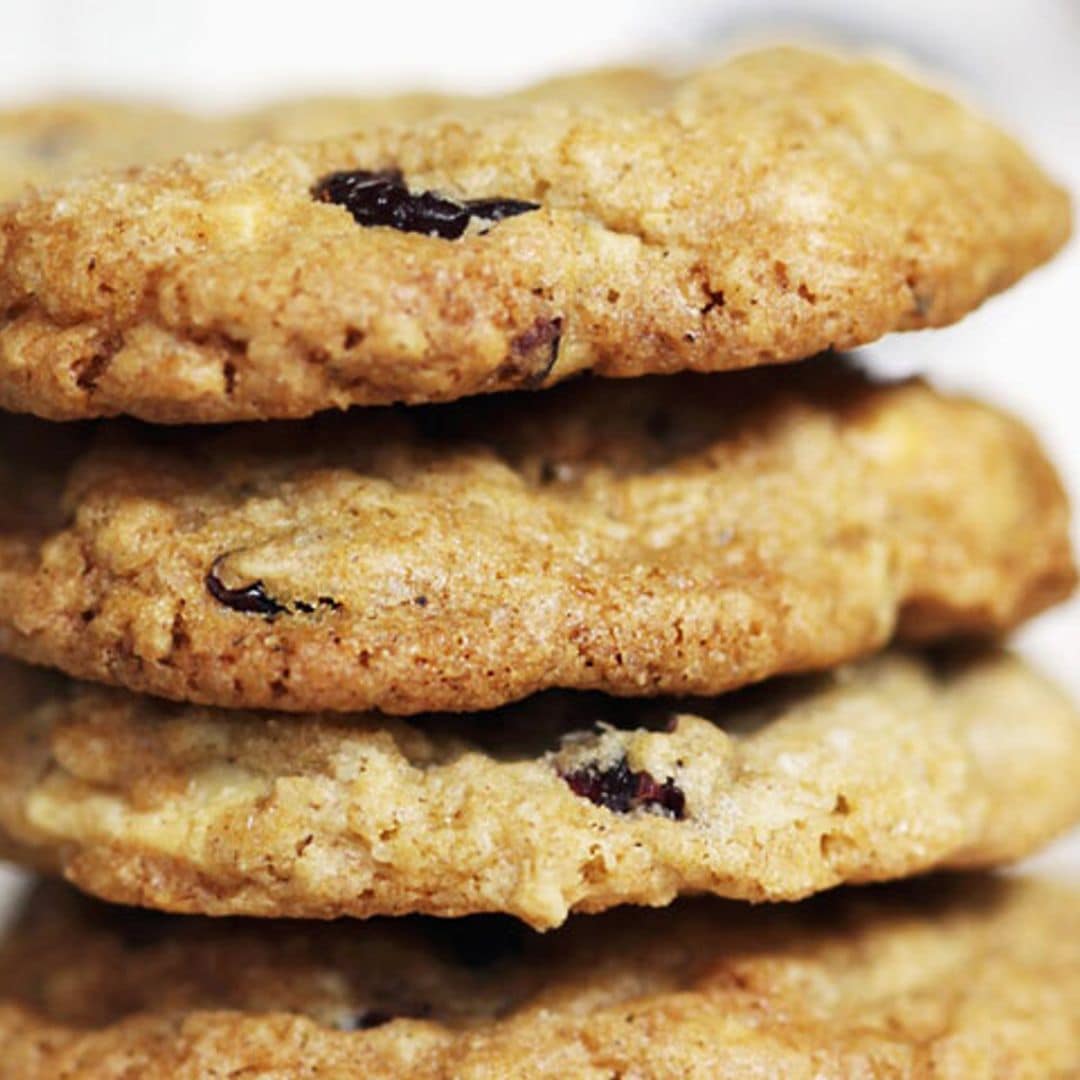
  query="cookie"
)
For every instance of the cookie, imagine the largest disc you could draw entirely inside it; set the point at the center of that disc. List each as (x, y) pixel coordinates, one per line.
(770, 207)
(562, 803)
(324, 117)
(47, 143)
(936, 979)
(688, 534)
(44, 144)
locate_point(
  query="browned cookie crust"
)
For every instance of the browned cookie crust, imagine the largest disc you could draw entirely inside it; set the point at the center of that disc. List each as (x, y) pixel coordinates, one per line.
(680, 535)
(936, 980)
(773, 206)
(562, 803)
(46, 143)
(305, 119)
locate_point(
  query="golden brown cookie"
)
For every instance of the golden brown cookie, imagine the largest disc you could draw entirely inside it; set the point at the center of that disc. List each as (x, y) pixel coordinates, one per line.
(305, 119)
(675, 535)
(935, 980)
(561, 803)
(45, 143)
(768, 208)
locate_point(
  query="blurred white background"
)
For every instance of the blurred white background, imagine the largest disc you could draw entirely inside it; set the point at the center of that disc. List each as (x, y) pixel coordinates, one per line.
(1020, 61)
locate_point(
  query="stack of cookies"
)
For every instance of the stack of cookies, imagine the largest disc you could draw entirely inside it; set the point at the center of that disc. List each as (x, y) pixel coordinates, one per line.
(499, 647)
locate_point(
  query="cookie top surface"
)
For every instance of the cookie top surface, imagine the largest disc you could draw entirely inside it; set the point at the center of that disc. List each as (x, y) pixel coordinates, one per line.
(46, 143)
(687, 534)
(764, 209)
(937, 979)
(561, 803)
(306, 119)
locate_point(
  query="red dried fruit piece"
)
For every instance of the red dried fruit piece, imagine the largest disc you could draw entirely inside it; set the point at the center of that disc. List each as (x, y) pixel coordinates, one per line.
(620, 789)
(383, 198)
(253, 598)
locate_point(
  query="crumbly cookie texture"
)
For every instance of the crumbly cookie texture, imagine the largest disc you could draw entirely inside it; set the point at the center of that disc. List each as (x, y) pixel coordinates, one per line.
(571, 802)
(933, 980)
(767, 208)
(46, 143)
(688, 534)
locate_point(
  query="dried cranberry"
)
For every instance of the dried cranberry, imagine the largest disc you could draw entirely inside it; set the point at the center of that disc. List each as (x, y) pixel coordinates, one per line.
(535, 352)
(323, 601)
(383, 198)
(620, 789)
(253, 598)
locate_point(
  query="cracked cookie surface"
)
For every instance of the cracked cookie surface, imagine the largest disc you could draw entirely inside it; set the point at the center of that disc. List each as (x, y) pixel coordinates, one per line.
(561, 803)
(764, 209)
(933, 980)
(688, 534)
